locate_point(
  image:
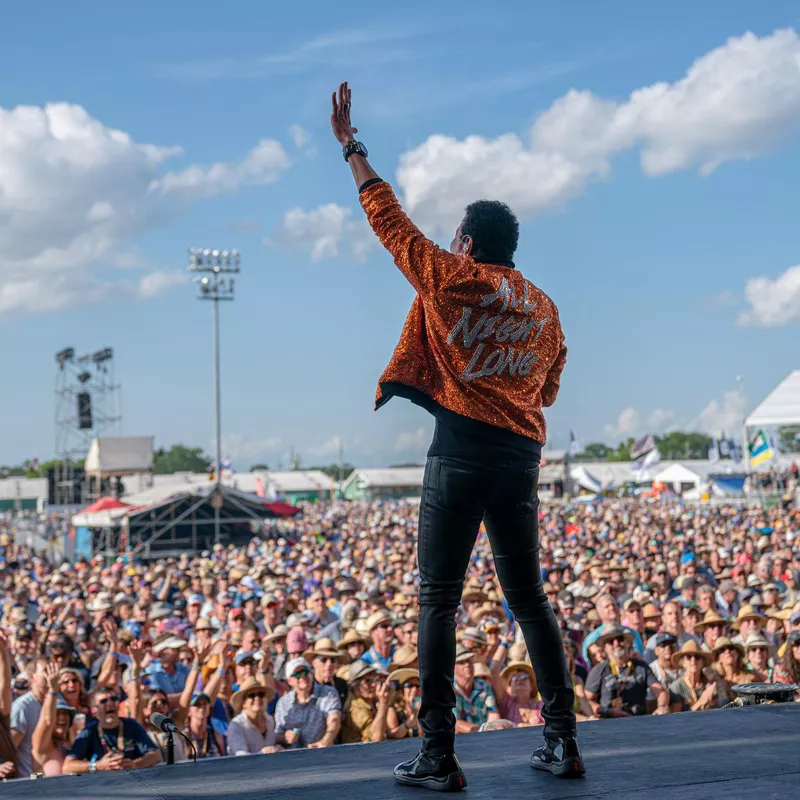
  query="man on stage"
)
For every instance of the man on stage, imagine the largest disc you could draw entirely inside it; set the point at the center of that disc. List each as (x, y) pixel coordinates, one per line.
(482, 349)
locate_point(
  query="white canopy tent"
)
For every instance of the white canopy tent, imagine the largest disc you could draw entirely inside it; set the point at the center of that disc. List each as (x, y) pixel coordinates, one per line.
(780, 407)
(678, 476)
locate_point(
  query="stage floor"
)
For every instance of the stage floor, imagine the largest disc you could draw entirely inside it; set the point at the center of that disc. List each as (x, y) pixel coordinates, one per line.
(739, 753)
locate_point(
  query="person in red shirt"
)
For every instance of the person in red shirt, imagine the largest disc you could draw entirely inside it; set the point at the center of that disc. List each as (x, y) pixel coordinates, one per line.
(482, 349)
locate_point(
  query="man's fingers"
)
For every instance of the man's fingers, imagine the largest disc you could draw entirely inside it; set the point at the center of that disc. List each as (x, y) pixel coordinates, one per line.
(333, 101)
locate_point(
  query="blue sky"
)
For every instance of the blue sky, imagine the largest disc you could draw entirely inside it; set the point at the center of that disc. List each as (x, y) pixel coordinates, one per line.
(663, 208)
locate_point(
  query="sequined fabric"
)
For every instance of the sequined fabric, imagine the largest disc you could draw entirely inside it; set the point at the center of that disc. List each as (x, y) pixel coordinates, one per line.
(479, 339)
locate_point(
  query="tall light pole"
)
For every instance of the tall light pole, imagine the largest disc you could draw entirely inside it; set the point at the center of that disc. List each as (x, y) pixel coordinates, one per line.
(213, 273)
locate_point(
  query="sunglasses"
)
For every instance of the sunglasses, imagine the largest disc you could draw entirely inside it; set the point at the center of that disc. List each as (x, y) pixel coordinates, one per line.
(618, 640)
(760, 649)
(327, 660)
(411, 685)
(301, 673)
(258, 696)
(386, 626)
(101, 701)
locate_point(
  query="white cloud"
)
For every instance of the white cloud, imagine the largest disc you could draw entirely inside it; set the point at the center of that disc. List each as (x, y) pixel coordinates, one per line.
(631, 422)
(329, 449)
(73, 192)
(725, 416)
(412, 440)
(324, 231)
(301, 139)
(627, 424)
(156, 283)
(717, 416)
(263, 164)
(773, 302)
(735, 102)
(238, 447)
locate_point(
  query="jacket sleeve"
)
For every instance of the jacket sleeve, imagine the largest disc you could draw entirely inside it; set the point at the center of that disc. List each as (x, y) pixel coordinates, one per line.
(424, 264)
(553, 381)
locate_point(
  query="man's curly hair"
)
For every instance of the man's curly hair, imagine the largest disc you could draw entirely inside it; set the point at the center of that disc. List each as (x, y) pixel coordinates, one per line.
(494, 230)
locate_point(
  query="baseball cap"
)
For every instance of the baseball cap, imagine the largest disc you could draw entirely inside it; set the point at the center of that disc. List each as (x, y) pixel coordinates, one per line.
(665, 638)
(295, 664)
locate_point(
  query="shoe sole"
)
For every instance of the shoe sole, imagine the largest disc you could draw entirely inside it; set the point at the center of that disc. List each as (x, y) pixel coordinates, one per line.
(569, 768)
(453, 783)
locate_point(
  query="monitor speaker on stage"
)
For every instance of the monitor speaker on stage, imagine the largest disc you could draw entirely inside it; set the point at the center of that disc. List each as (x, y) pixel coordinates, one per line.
(84, 410)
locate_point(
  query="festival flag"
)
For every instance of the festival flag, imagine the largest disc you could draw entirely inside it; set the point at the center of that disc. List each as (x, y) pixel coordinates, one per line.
(643, 446)
(574, 445)
(760, 450)
(714, 452)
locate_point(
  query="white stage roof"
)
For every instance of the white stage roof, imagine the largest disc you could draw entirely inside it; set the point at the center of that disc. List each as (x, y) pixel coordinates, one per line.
(781, 406)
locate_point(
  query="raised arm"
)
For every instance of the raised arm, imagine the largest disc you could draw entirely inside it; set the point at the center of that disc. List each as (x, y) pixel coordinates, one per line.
(43, 733)
(424, 264)
(5, 677)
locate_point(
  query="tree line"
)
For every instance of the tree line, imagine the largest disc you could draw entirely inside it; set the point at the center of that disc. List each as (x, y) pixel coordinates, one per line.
(680, 446)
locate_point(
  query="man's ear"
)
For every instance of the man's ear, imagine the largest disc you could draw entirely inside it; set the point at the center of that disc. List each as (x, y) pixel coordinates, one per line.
(466, 245)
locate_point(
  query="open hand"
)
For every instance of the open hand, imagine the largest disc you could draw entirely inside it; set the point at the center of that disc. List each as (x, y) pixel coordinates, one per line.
(51, 674)
(340, 116)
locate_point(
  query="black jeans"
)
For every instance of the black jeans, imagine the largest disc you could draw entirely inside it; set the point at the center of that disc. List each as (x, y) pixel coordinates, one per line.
(456, 496)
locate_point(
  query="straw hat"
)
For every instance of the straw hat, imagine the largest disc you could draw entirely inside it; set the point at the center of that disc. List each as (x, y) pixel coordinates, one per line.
(403, 675)
(250, 686)
(464, 654)
(711, 618)
(378, 618)
(352, 637)
(204, 624)
(723, 643)
(473, 634)
(690, 648)
(359, 670)
(755, 640)
(650, 611)
(403, 656)
(326, 648)
(747, 612)
(518, 666)
(279, 632)
(609, 632)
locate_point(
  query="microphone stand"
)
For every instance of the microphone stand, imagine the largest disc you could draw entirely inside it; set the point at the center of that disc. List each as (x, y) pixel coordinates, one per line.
(170, 748)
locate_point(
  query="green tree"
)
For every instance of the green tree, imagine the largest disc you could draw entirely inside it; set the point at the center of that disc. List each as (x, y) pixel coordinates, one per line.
(256, 467)
(180, 459)
(679, 445)
(597, 451)
(622, 451)
(789, 439)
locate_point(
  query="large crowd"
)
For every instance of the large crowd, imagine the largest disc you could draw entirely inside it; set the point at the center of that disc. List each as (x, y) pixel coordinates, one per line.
(307, 637)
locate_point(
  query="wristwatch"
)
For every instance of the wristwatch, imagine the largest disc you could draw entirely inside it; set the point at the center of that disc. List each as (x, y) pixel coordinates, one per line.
(354, 147)
(92, 766)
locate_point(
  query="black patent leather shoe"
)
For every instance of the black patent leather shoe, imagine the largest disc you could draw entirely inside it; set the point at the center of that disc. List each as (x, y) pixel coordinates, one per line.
(562, 757)
(440, 773)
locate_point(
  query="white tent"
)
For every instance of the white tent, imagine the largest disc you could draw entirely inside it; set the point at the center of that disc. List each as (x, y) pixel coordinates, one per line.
(585, 479)
(780, 407)
(678, 476)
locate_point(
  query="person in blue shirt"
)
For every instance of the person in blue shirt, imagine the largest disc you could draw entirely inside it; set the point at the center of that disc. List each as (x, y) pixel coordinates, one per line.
(110, 742)
(608, 610)
(381, 631)
(166, 672)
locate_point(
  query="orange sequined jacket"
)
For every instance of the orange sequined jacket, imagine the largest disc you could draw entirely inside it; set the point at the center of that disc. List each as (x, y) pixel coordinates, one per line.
(479, 340)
